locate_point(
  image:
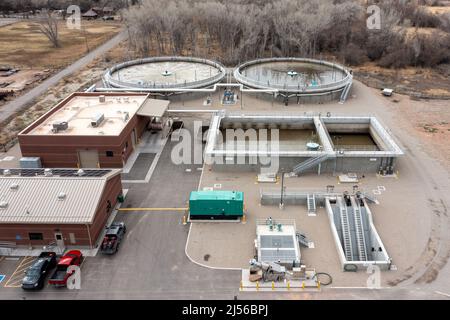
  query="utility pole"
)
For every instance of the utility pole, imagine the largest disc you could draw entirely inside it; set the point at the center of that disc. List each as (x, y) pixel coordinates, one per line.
(86, 40)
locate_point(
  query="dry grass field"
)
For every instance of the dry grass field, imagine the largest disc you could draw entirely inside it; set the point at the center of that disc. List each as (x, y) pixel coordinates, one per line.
(23, 46)
(439, 10)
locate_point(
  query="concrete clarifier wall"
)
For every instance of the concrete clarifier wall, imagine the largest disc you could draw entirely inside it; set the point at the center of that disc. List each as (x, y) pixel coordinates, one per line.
(293, 99)
(333, 161)
(286, 164)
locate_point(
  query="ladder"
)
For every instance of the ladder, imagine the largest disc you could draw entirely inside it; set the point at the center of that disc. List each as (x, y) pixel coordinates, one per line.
(309, 163)
(311, 202)
(345, 230)
(360, 239)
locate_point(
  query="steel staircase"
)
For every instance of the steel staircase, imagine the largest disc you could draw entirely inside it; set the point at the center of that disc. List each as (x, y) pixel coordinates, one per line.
(370, 198)
(345, 92)
(311, 201)
(302, 239)
(309, 163)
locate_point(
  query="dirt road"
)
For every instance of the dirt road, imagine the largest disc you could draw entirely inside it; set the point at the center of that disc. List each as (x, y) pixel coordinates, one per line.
(24, 100)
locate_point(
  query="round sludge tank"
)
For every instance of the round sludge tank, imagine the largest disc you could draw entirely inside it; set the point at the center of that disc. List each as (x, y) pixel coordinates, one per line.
(294, 76)
(165, 73)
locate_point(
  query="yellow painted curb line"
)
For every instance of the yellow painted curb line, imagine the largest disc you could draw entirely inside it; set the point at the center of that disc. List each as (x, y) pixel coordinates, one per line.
(153, 209)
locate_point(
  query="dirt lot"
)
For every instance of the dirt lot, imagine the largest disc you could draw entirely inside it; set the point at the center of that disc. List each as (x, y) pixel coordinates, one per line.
(19, 80)
(424, 82)
(428, 121)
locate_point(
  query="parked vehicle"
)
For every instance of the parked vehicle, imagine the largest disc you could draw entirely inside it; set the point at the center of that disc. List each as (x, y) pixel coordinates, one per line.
(387, 92)
(113, 237)
(60, 276)
(35, 276)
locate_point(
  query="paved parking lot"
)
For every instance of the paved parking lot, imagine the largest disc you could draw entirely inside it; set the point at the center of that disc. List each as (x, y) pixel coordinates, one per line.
(151, 262)
(15, 279)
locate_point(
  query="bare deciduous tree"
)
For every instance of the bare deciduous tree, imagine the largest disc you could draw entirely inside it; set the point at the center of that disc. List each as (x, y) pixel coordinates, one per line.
(236, 30)
(48, 25)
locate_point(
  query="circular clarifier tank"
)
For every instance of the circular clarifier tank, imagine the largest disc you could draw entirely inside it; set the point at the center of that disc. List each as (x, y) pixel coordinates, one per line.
(293, 75)
(165, 72)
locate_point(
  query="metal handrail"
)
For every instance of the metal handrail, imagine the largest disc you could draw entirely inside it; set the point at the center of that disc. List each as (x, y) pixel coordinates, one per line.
(192, 84)
(355, 147)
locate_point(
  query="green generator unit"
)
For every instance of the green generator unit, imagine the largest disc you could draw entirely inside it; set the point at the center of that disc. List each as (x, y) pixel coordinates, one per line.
(216, 205)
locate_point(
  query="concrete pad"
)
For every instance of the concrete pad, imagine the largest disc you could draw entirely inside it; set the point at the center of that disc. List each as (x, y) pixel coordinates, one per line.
(11, 158)
(285, 286)
(232, 245)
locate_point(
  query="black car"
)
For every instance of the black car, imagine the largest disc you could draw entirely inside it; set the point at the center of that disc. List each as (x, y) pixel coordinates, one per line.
(36, 274)
(113, 237)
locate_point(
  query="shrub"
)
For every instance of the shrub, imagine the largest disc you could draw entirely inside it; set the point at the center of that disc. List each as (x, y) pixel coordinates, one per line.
(354, 55)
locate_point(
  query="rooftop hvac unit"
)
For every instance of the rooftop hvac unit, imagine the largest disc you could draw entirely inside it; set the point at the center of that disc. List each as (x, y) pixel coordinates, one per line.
(14, 186)
(30, 162)
(60, 126)
(97, 120)
(3, 204)
(62, 196)
(102, 99)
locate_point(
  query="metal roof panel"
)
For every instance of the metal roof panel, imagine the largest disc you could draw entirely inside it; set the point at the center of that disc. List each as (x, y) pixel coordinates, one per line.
(35, 199)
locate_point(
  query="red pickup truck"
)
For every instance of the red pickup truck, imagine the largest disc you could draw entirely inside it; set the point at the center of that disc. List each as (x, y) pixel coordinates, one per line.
(60, 276)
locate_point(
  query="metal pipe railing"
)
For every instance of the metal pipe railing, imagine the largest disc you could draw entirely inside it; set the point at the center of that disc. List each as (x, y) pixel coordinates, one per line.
(289, 88)
(193, 84)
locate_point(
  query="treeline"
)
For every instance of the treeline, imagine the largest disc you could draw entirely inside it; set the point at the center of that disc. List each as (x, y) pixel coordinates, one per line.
(237, 30)
(20, 6)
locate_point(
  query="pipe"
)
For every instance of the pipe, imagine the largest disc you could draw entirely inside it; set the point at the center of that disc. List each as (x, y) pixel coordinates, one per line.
(192, 111)
(213, 89)
(89, 235)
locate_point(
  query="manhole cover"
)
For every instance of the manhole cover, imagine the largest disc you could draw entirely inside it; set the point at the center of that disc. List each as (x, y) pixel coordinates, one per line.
(206, 257)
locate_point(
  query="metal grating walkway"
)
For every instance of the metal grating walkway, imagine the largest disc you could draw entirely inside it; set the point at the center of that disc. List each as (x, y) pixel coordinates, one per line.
(348, 249)
(359, 230)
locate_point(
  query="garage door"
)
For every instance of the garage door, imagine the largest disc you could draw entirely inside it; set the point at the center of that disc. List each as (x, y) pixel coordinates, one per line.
(88, 158)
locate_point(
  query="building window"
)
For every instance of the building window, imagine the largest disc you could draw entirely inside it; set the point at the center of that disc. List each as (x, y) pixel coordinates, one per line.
(36, 236)
(109, 153)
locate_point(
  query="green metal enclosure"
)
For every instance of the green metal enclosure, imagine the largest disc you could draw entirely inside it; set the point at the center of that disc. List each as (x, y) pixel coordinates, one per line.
(216, 204)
